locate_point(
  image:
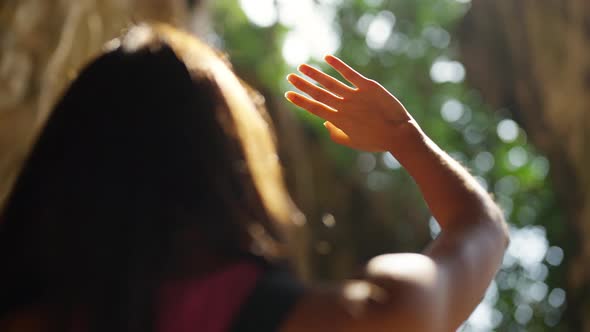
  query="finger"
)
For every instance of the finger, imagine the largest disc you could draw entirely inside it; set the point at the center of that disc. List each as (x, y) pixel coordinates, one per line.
(330, 83)
(314, 91)
(336, 134)
(345, 70)
(312, 106)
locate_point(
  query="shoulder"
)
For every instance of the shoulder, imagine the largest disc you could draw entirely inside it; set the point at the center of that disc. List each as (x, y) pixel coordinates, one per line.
(400, 292)
(327, 310)
(383, 301)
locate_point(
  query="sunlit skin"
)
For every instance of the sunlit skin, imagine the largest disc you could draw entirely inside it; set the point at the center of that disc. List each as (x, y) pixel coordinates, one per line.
(345, 108)
(432, 291)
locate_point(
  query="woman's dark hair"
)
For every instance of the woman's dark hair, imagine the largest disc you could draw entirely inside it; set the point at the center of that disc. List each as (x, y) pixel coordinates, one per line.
(156, 151)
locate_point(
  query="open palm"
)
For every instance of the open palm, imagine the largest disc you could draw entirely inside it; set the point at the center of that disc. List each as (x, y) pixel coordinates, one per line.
(364, 117)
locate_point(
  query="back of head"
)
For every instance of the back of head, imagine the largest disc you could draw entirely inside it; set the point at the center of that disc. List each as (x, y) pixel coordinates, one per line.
(155, 152)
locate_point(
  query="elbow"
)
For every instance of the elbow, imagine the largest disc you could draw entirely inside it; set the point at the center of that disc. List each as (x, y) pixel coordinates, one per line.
(501, 224)
(506, 237)
(492, 221)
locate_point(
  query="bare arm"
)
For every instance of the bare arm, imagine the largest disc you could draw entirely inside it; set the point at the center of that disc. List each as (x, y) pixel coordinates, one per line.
(435, 291)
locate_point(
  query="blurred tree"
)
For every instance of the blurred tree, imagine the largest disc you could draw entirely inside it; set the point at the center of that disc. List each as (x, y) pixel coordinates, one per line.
(533, 58)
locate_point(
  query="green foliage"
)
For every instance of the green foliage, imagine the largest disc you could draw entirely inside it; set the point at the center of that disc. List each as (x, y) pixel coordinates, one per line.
(418, 63)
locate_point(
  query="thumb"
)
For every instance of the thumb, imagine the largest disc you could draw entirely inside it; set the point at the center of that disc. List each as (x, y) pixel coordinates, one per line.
(336, 134)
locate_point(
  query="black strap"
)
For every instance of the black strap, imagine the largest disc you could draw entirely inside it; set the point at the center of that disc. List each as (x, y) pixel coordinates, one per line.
(272, 299)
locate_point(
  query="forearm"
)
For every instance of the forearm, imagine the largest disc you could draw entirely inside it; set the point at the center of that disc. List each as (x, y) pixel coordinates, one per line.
(441, 287)
(454, 197)
(470, 248)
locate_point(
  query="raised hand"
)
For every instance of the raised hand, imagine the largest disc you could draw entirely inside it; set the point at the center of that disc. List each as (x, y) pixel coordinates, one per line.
(364, 117)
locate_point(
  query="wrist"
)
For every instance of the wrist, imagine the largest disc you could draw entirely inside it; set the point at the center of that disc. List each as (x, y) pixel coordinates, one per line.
(406, 140)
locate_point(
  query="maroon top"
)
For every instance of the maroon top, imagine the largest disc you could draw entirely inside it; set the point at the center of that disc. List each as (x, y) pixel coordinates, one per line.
(209, 304)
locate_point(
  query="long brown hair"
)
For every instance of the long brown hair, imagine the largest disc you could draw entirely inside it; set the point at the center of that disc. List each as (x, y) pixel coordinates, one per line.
(155, 139)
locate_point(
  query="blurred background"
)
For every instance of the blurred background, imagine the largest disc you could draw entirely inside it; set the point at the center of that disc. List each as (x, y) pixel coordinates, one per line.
(503, 86)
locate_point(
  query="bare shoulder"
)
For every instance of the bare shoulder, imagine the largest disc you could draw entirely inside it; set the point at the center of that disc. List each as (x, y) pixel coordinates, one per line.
(398, 294)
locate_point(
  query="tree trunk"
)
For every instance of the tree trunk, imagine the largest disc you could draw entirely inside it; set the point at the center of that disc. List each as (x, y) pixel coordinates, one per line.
(533, 57)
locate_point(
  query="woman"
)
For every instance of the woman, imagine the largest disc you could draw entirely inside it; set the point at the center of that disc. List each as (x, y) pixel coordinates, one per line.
(153, 201)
